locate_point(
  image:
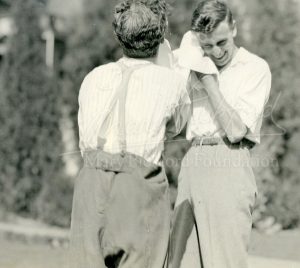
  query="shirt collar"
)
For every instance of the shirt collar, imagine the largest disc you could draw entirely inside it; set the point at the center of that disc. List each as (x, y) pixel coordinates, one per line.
(242, 56)
(134, 61)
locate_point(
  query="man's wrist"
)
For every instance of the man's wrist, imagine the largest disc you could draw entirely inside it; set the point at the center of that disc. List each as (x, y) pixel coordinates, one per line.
(210, 82)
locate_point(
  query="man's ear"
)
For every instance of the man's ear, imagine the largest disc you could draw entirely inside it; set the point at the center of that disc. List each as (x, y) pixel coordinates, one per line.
(234, 28)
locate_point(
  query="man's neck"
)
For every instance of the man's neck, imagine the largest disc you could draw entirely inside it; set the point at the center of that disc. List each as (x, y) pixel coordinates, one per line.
(150, 59)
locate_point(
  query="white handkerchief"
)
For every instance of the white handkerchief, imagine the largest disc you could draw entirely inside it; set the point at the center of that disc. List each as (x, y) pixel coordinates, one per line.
(191, 56)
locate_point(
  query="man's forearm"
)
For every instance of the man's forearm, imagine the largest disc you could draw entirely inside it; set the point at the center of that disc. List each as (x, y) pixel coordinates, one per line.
(228, 118)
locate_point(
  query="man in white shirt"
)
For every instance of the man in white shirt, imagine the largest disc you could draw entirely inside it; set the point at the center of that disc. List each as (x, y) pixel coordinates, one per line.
(216, 175)
(121, 208)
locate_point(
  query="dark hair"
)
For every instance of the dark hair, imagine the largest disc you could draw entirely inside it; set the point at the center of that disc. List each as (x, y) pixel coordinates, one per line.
(209, 14)
(159, 8)
(140, 26)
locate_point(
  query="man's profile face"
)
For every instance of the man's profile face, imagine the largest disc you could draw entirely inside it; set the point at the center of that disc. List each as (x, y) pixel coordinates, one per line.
(219, 45)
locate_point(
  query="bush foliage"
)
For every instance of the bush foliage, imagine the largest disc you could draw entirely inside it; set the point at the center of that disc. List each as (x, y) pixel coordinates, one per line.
(32, 179)
(29, 116)
(273, 34)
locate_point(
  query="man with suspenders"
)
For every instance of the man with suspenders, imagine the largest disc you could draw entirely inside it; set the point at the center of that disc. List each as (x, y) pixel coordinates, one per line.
(121, 208)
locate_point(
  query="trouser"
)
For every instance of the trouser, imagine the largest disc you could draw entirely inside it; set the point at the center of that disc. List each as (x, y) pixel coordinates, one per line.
(121, 213)
(219, 183)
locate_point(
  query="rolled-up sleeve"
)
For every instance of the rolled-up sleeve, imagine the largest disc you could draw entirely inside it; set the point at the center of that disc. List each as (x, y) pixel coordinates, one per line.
(87, 86)
(253, 96)
(181, 112)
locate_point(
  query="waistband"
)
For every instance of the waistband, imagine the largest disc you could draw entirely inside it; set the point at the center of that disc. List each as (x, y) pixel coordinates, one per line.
(200, 141)
(120, 162)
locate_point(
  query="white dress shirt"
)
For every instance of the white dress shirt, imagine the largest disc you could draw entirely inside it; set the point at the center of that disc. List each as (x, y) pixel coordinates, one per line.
(245, 85)
(155, 96)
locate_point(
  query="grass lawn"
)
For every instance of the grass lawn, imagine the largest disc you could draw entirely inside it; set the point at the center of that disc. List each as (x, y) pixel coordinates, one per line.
(22, 255)
(13, 254)
(282, 245)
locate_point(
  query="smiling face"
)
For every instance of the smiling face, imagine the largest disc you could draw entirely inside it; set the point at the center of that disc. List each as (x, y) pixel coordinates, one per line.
(219, 44)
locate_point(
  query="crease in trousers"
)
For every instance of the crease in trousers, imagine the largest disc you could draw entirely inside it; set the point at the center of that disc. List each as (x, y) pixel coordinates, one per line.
(218, 183)
(121, 213)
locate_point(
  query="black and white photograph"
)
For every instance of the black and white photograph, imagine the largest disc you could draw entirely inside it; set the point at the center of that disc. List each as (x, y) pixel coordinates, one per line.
(149, 134)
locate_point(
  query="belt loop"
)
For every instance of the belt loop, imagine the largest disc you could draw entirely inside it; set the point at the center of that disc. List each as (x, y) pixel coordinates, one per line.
(123, 153)
(201, 142)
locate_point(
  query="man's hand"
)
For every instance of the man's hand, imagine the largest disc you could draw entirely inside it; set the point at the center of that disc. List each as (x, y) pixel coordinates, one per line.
(209, 81)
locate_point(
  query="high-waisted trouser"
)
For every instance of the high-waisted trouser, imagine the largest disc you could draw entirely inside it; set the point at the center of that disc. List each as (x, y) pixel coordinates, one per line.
(219, 183)
(121, 213)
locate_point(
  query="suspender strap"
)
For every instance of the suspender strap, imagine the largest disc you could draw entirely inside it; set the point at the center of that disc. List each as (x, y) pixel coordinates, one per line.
(120, 97)
(126, 73)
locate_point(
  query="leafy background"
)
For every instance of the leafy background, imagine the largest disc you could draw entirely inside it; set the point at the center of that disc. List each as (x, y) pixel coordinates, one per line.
(38, 105)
